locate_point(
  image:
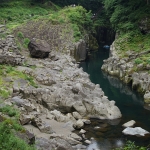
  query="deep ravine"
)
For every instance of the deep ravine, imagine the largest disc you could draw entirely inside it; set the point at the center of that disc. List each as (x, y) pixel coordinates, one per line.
(130, 103)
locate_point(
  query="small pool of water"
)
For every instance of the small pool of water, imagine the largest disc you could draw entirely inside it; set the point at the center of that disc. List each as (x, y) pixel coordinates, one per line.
(130, 103)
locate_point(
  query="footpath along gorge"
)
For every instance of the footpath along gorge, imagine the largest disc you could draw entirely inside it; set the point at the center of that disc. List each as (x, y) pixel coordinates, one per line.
(42, 86)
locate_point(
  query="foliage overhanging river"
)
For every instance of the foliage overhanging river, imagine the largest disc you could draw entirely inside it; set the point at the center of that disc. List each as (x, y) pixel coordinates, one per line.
(130, 103)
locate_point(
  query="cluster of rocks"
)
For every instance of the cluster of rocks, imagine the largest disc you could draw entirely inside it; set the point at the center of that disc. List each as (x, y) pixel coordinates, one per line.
(67, 88)
(9, 53)
(130, 130)
(123, 68)
(64, 93)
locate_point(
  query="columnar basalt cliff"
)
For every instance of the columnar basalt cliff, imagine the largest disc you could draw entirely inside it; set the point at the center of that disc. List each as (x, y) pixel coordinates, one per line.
(59, 37)
(9, 53)
(130, 73)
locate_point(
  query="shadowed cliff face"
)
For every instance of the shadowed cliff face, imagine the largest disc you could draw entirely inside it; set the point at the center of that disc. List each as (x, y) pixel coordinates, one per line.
(104, 35)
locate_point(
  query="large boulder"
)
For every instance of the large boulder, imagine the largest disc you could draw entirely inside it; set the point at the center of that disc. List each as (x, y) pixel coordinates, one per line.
(39, 48)
(138, 131)
(129, 123)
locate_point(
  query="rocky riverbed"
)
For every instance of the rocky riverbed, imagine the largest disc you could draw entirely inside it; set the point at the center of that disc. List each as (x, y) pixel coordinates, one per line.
(63, 100)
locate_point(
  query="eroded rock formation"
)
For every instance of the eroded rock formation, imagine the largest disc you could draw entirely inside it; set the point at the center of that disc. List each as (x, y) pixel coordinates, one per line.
(9, 52)
(64, 93)
(123, 68)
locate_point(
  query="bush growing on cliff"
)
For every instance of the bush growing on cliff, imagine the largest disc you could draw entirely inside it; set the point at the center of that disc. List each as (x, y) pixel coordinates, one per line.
(131, 146)
(138, 61)
(9, 110)
(8, 140)
(26, 42)
(20, 35)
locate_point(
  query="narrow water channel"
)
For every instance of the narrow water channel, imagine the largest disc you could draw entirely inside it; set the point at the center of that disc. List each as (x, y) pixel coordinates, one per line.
(130, 103)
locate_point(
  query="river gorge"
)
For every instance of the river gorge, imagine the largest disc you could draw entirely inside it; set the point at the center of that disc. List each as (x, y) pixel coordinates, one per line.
(130, 103)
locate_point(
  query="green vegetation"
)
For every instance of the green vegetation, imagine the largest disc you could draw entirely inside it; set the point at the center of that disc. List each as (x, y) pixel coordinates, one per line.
(131, 146)
(9, 128)
(131, 21)
(125, 17)
(16, 12)
(20, 35)
(10, 111)
(24, 11)
(11, 72)
(136, 43)
(26, 42)
(138, 61)
(8, 139)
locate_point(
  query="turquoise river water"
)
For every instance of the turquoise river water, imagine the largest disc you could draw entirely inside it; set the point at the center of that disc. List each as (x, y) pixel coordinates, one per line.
(130, 103)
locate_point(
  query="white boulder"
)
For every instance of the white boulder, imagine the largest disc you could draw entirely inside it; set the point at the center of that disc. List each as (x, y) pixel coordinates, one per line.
(138, 131)
(129, 124)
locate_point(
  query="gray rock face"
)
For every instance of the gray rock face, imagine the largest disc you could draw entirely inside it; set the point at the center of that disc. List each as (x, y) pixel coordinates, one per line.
(71, 139)
(55, 143)
(79, 124)
(43, 126)
(9, 53)
(144, 26)
(18, 101)
(123, 69)
(25, 119)
(65, 93)
(72, 91)
(80, 52)
(138, 131)
(39, 48)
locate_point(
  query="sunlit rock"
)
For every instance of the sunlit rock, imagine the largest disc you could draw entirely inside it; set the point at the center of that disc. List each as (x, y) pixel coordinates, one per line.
(137, 131)
(129, 123)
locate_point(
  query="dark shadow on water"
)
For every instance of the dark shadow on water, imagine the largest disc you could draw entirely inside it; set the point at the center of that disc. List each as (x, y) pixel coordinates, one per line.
(129, 102)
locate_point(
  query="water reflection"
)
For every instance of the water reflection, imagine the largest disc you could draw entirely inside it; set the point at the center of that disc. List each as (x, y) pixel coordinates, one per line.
(106, 144)
(123, 88)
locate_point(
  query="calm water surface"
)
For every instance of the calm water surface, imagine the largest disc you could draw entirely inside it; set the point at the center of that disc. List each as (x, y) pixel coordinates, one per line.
(130, 103)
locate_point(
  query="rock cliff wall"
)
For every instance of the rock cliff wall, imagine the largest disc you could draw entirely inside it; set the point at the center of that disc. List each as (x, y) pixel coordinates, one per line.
(9, 53)
(130, 73)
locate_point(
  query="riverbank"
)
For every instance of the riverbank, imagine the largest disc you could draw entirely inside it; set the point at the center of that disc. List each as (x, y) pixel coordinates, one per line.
(129, 70)
(53, 88)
